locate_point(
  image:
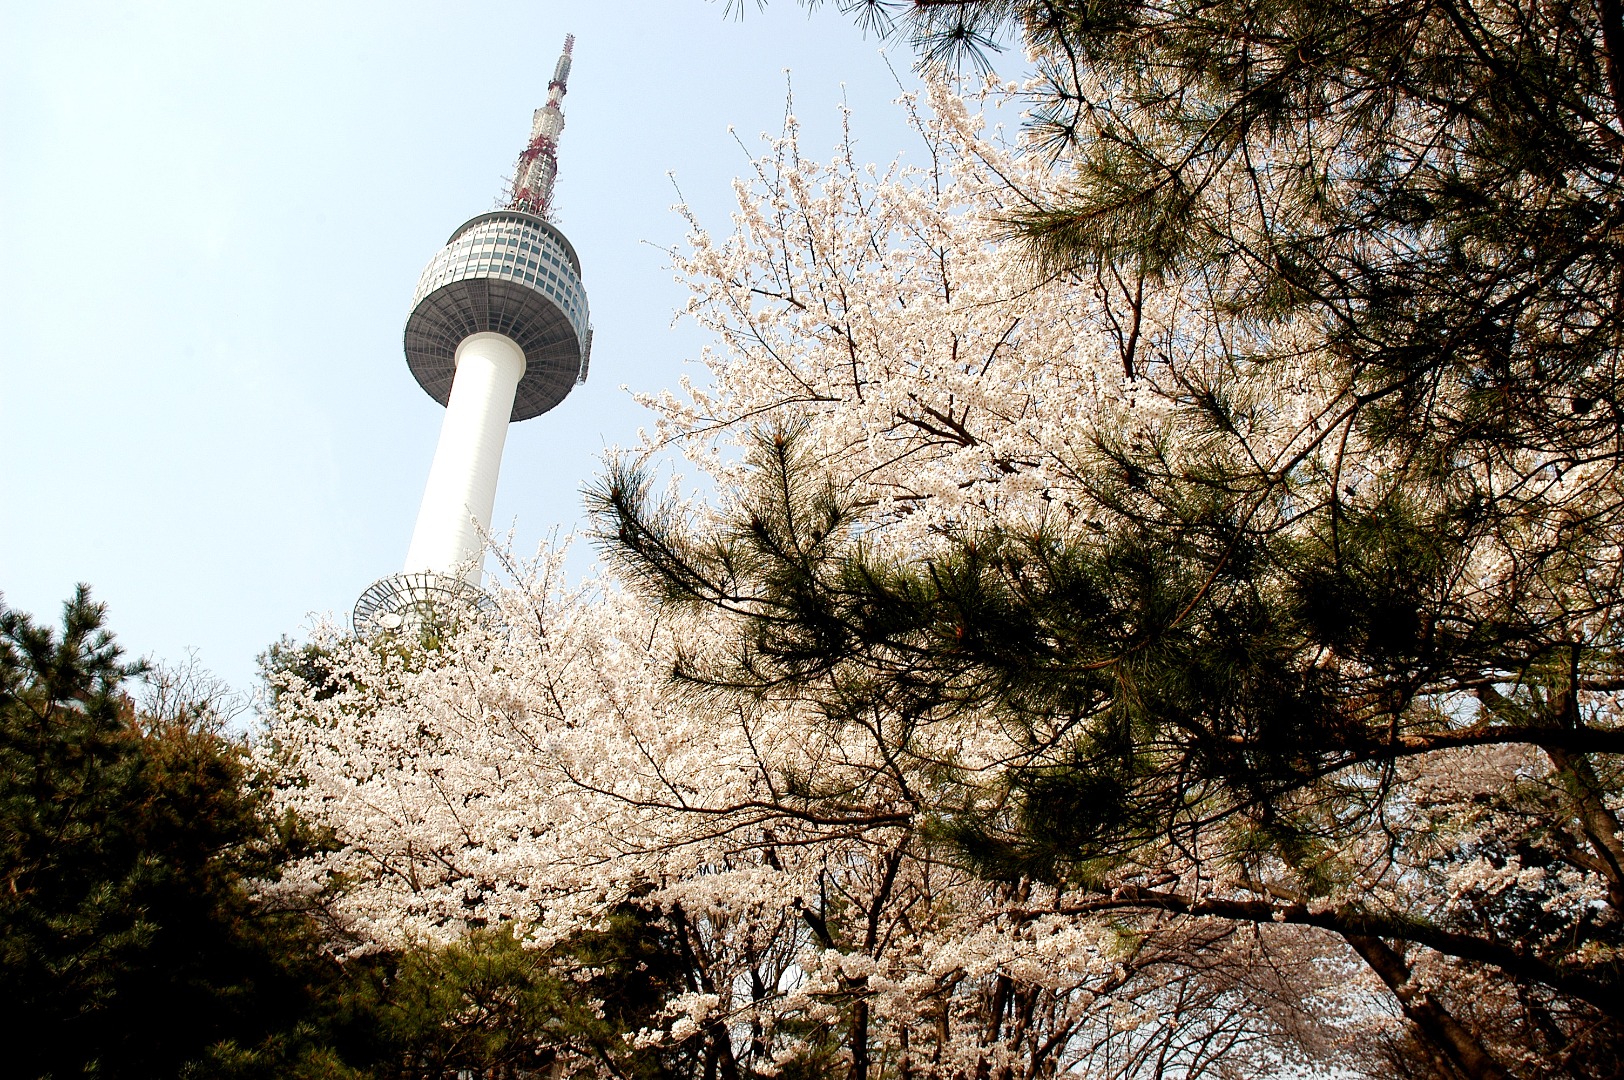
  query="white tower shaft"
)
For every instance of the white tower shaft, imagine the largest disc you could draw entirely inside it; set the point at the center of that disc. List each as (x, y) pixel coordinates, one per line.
(461, 494)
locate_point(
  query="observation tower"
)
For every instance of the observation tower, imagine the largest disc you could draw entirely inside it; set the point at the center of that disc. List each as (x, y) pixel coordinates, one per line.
(499, 332)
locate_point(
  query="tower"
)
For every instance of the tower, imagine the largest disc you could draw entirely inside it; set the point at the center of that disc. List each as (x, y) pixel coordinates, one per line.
(499, 332)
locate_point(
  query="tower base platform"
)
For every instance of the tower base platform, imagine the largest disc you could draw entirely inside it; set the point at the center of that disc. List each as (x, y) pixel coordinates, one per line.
(421, 602)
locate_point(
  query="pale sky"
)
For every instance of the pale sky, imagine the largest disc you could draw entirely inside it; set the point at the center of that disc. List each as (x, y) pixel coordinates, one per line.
(212, 217)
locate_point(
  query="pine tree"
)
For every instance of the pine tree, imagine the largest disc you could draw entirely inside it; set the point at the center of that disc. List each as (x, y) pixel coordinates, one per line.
(131, 942)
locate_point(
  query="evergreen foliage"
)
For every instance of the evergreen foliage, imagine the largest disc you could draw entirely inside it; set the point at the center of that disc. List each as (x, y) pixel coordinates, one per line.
(130, 941)
(489, 1006)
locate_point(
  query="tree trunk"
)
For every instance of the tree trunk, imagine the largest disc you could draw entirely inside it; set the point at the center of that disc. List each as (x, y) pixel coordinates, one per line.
(859, 1041)
(1599, 823)
(1437, 1029)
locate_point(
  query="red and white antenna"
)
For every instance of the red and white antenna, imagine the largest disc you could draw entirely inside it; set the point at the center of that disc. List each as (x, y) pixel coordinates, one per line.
(538, 165)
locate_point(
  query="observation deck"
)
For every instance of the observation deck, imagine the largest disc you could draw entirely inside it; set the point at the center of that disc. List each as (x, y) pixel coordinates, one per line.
(511, 273)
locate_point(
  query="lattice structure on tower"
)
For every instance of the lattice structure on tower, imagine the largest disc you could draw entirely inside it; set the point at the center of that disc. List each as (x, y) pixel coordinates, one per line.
(538, 164)
(422, 603)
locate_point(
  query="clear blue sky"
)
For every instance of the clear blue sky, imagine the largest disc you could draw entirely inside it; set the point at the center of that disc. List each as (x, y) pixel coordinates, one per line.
(212, 216)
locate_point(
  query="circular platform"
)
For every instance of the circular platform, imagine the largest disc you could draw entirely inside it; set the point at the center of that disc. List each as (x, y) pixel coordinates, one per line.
(510, 273)
(419, 603)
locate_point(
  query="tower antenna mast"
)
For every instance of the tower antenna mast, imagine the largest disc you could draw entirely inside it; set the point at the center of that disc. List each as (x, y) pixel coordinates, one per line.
(532, 190)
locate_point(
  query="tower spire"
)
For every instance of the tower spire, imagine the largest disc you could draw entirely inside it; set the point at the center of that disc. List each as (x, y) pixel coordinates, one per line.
(538, 164)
